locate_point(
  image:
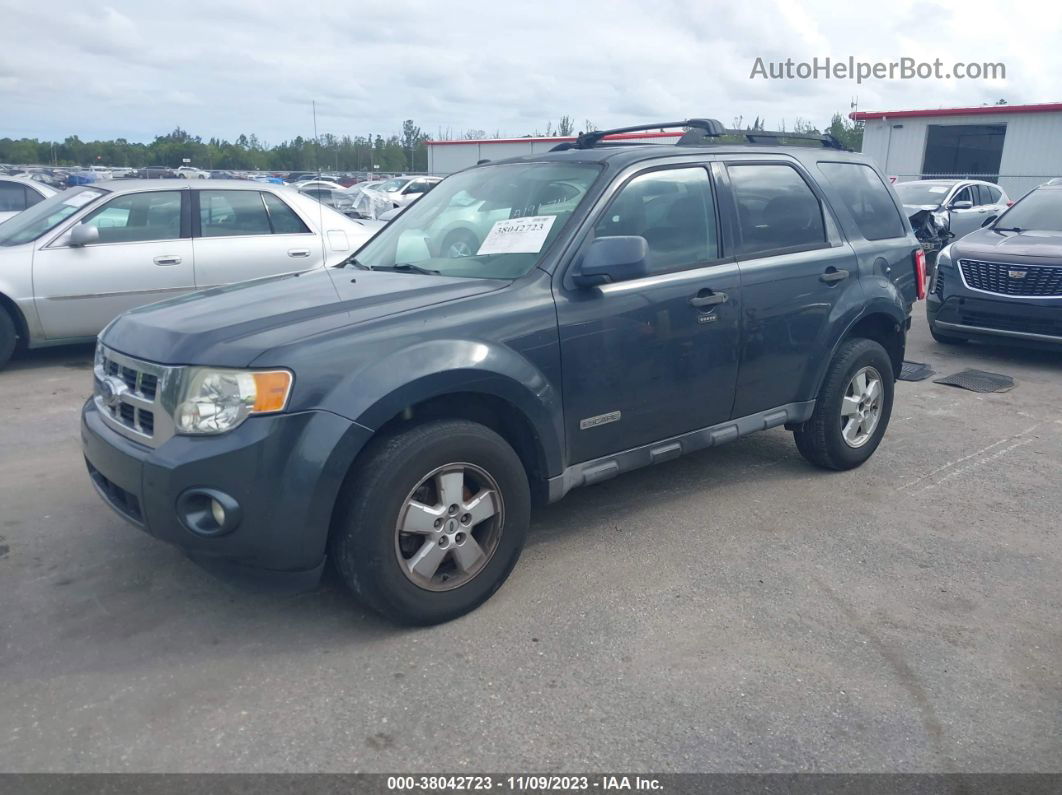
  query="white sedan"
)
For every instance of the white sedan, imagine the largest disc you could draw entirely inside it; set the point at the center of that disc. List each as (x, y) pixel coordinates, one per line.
(19, 193)
(73, 262)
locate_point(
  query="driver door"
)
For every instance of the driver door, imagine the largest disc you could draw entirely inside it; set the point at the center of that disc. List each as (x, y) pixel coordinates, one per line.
(144, 254)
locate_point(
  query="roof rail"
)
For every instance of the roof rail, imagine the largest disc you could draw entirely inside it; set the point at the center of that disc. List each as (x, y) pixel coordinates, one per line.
(698, 132)
(588, 140)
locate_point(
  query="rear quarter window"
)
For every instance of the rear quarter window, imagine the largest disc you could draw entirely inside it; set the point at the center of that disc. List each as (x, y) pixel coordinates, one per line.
(864, 194)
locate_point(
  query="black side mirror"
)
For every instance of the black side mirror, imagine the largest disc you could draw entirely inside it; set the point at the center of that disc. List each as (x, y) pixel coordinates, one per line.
(613, 259)
(989, 221)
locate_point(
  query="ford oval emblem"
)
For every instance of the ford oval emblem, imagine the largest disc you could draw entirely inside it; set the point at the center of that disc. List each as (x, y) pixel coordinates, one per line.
(111, 391)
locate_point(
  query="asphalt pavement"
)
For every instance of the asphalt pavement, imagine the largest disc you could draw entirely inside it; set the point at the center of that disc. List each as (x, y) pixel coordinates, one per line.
(736, 610)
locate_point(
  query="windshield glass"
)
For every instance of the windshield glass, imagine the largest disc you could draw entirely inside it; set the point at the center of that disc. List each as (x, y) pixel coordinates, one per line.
(1040, 210)
(491, 222)
(922, 192)
(45, 216)
(391, 185)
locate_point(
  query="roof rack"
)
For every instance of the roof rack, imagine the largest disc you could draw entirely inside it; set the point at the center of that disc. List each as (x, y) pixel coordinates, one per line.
(698, 132)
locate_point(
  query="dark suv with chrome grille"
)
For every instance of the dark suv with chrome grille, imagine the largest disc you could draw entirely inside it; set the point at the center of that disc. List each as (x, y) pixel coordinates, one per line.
(1004, 281)
(612, 305)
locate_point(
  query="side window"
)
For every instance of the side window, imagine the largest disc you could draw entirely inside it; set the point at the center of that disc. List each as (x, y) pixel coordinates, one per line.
(994, 194)
(283, 218)
(417, 186)
(137, 217)
(227, 213)
(12, 197)
(965, 195)
(776, 208)
(32, 197)
(867, 199)
(672, 209)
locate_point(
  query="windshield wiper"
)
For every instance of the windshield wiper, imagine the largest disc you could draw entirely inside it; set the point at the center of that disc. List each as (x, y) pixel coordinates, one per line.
(1006, 229)
(352, 260)
(405, 267)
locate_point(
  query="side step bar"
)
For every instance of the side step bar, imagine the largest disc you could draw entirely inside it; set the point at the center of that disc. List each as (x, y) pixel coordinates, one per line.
(606, 467)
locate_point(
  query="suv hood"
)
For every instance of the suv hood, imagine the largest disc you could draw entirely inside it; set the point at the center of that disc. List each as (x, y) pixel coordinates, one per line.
(1031, 243)
(231, 326)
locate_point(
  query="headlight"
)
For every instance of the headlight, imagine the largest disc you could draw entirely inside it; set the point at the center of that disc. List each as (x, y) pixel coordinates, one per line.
(215, 401)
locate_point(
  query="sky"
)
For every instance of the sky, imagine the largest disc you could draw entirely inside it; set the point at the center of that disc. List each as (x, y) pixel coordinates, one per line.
(220, 68)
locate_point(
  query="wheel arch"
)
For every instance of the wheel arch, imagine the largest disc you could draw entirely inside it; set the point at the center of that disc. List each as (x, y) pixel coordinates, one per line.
(885, 324)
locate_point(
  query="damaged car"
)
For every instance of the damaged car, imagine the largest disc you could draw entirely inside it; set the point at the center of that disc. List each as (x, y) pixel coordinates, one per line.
(941, 210)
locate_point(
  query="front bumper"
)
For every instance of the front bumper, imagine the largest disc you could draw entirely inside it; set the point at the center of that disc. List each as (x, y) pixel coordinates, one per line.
(1029, 321)
(284, 470)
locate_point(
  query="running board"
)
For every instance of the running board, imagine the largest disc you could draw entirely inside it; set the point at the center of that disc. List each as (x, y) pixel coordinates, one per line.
(606, 467)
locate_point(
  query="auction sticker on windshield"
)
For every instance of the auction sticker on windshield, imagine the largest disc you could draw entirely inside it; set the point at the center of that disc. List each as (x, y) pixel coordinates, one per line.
(517, 235)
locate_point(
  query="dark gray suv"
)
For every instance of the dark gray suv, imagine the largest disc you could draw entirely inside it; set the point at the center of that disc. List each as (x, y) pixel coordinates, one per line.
(613, 305)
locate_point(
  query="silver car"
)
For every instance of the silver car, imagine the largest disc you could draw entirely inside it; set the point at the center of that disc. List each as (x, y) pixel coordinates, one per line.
(18, 193)
(71, 263)
(968, 202)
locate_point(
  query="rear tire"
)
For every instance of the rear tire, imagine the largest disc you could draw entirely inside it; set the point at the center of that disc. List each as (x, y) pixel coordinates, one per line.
(8, 337)
(835, 440)
(432, 521)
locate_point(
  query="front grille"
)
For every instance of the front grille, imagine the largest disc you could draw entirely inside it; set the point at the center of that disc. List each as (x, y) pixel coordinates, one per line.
(1028, 325)
(128, 393)
(123, 501)
(1035, 281)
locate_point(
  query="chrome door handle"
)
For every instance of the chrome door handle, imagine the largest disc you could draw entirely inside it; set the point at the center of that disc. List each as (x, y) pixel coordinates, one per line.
(709, 298)
(298, 252)
(834, 275)
(168, 259)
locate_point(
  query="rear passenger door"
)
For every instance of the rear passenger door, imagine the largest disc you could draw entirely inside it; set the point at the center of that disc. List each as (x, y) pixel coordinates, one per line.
(797, 276)
(247, 234)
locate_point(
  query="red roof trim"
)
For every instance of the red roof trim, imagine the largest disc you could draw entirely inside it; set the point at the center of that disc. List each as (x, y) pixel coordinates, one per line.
(1045, 107)
(557, 139)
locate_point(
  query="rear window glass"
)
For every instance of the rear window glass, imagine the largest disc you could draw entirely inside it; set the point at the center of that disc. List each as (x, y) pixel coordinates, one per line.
(867, 199)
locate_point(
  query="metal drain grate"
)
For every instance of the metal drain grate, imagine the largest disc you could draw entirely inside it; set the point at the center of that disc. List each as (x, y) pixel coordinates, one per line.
(916, 371)
(978, 381)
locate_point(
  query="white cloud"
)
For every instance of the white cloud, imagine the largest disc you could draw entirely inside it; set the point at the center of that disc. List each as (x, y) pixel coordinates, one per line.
(223, 67)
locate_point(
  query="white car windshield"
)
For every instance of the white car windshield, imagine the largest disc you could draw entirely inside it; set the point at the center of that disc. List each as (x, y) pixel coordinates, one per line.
(46, 215)
(922, 193)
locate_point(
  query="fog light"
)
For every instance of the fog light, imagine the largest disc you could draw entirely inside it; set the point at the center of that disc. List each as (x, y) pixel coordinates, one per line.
(217, 512)
(208, 512)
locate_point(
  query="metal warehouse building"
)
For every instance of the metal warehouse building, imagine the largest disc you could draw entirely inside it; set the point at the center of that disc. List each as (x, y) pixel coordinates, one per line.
(446, 157)
(1017, 146)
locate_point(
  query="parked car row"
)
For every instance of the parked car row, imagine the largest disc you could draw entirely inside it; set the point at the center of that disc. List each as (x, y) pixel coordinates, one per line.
(72, 262)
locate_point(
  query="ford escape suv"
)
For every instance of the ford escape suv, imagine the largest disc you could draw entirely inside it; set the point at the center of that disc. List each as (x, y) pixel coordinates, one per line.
(399, 414)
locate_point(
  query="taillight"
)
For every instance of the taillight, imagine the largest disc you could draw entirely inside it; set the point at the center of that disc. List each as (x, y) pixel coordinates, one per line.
(920, 272)
(1010, 204)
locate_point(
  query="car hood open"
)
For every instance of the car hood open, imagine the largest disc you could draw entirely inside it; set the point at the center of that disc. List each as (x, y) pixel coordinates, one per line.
(231, 326)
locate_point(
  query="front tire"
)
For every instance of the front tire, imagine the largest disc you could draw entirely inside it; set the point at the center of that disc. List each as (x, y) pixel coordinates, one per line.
(432, 521)
(8, 337)
(852, 410)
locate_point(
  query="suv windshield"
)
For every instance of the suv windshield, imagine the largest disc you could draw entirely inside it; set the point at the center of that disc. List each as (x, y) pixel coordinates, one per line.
(45, 216)
(923, 193)
(491, 222)
(1040, 210)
